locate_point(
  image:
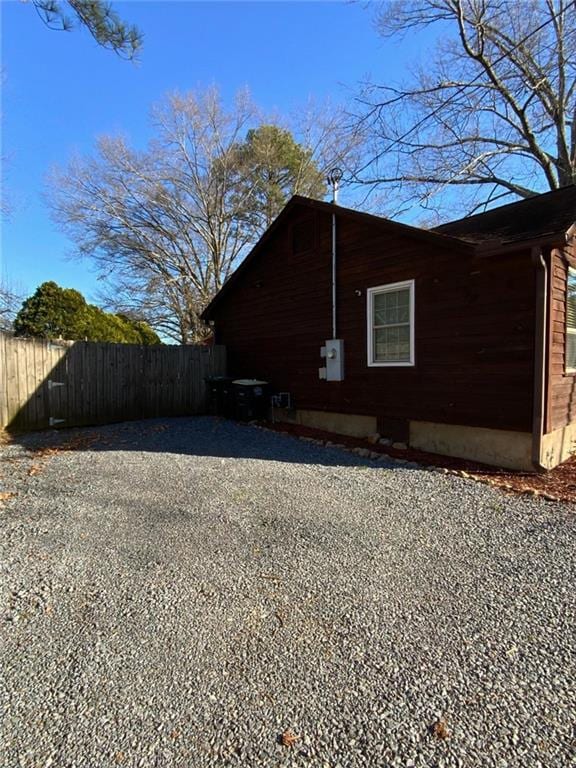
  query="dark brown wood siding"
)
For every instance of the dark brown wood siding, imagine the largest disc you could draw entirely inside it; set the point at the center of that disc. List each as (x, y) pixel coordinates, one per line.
(561, 397)
(474, 326)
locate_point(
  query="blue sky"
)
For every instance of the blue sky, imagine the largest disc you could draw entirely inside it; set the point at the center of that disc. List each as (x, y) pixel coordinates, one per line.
(61, 91)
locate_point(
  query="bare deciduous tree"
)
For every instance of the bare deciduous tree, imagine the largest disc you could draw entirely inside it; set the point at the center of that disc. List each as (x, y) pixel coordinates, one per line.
(492, 110)
(10, 301)
(167, 226)
(161, 224)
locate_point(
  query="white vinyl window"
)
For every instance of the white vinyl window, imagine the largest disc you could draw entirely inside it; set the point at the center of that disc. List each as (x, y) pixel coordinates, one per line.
(391, 324)
(571, 322)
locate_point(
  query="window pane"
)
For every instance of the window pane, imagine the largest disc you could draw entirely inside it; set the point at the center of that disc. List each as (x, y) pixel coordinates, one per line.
(380, 308)
(571, 300)
(392, 345)
(404, 334)
(392, 307)
(404, 314)
(571, 350)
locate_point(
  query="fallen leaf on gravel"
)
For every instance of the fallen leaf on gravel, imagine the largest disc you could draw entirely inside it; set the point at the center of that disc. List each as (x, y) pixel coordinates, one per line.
(6, 495)
(49, 451)
(288, 738)
(440, 729)
(35, 469)
(120, 757)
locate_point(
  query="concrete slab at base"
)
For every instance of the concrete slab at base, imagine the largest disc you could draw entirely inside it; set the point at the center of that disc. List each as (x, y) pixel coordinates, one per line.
(339, 423)
(558, 446)
(498, 447)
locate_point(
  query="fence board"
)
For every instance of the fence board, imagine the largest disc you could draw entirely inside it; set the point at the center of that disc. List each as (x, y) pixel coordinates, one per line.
(102, 383)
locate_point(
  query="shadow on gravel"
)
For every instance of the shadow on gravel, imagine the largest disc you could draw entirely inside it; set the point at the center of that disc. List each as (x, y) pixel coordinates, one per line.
(193, 436)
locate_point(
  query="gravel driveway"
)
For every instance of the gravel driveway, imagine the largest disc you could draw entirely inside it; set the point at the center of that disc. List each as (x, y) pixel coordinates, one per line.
(181, 592)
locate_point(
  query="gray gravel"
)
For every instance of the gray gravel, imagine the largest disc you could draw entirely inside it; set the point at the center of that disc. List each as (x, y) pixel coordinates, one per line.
(180, 592)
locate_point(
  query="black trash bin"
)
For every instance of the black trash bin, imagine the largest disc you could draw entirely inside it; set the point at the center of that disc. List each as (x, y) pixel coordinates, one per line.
(220, 396)
(251, 399)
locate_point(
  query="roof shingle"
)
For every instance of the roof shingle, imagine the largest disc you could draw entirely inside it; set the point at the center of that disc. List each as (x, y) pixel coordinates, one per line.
(548, 214)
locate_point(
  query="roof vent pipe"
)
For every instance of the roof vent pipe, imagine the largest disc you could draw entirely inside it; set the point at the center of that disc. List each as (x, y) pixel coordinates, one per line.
(334, 178)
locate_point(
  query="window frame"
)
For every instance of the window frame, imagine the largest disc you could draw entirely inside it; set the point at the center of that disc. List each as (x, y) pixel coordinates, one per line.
(568, 331)
(389, 288)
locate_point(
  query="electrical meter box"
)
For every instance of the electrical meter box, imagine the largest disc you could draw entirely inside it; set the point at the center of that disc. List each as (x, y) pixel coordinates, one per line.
(335, 360)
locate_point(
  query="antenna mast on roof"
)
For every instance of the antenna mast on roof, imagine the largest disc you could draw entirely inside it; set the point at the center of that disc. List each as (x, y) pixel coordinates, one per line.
(334, 178)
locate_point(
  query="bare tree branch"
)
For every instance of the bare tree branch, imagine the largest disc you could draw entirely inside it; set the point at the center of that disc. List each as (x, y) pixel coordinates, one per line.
(10, 300)
(494, 105)
(166, 227)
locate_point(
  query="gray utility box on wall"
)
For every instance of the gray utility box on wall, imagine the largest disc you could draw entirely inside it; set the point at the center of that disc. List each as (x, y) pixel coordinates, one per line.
(333, 352)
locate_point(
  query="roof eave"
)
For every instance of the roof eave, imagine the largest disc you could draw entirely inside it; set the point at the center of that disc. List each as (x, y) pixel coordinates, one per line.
(501, 247)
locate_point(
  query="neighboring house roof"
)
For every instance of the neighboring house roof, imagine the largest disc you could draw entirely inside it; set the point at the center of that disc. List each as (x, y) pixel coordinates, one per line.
(552, 213)
(542, 216)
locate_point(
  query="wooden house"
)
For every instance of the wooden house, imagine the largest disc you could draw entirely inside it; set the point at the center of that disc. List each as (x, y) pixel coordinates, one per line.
(459, 340)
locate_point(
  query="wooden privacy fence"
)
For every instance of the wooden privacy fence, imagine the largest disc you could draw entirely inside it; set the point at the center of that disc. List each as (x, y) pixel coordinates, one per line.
(74, 383)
